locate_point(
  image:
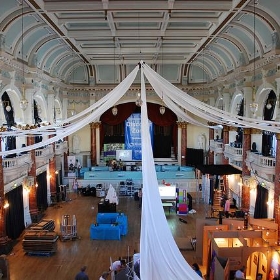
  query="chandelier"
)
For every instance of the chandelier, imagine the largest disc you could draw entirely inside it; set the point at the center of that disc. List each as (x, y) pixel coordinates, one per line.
(254, 105)
(114, 111)
(23, 102)
(139, 101)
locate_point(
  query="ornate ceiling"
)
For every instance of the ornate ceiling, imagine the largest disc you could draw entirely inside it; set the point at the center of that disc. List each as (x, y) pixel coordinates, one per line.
(100, 42)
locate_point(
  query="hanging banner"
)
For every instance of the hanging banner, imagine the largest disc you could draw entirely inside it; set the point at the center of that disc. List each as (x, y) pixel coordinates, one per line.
(133, 135)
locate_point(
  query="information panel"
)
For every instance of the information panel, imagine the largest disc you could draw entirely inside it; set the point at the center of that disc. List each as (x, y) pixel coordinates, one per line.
(133, 135)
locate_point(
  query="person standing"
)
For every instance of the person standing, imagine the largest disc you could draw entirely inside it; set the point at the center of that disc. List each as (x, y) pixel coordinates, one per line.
(82, 274)
(227, 207)
(78, 168)
(140, 197)
(196, 268)
(75, 186)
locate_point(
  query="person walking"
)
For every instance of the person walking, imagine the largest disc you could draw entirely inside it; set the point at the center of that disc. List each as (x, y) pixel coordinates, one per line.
(196, 268)
(82, 274)
(140, 197)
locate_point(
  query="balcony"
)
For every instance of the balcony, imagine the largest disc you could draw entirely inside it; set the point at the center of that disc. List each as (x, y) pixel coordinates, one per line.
(262, 166)
(234, 154)
(216, 146)
(16, 167)
(61, 148)
(43, 155)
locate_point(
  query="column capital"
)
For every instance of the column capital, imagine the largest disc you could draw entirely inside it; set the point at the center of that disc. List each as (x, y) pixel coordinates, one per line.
(277, 135)
(182, 124)
(256, 131)
(211, 123)
(226, 128)
(247, 131)
(95, 125)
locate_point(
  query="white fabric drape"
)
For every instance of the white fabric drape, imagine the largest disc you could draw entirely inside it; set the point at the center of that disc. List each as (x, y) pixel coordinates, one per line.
(177, 100)
(96, 110)
(160, 257)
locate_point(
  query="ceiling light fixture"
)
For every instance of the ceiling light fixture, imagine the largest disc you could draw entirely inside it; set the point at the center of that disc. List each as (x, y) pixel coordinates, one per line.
(23, 102)
(114, 109)
(162, 108)
(139, 101)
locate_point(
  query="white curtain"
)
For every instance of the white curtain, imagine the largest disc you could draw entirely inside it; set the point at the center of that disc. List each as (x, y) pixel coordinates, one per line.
(160, 257)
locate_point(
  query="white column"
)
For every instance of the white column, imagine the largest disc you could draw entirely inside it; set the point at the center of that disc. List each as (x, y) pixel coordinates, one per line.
(28, 116)
(50, 115)
(247, 93)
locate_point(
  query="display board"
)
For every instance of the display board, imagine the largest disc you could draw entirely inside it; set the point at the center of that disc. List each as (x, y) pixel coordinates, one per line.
(167, 192)
(124, 155)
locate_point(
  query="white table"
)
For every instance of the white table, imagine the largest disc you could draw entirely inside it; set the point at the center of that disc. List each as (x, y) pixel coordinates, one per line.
(168, 205)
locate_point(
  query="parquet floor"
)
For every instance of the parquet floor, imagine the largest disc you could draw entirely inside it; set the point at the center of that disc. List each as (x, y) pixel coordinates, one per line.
(71, 255)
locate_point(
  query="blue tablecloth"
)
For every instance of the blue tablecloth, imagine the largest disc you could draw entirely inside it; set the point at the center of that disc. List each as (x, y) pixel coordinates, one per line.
(114, 218)
(105, 232)
(106, 218)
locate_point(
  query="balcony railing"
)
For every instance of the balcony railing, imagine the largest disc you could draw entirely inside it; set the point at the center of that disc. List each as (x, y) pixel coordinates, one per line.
(61, 147)
(261, 160)
(216, 146)
(15, 162)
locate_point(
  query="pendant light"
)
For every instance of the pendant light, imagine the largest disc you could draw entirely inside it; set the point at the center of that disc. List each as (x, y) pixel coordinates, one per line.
(254, 105)
(23, 102)
(162, 108)
(114, 109)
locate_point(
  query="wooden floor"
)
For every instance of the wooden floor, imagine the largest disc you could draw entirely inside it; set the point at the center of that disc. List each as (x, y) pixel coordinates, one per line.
(71, 255)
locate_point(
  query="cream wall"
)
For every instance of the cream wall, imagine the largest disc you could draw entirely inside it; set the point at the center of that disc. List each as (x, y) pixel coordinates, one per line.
(84, 140)
(193, 135)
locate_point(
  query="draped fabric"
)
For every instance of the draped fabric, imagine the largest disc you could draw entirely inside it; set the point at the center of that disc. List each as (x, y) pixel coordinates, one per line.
(14, 213)
(261, 203)
(160, 258)
(42, 192)
(178, 101)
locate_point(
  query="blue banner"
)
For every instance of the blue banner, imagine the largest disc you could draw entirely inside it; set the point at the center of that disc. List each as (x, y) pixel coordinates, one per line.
(133, 135)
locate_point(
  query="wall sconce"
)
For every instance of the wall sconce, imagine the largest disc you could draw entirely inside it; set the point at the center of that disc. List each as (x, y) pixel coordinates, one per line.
(56, 172)
(23, 102)
(57, 110)
(72, 111)
(6, 204)
(7, 105)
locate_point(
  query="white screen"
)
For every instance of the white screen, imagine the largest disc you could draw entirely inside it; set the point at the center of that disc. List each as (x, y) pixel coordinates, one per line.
(124, 155)
(167, 192)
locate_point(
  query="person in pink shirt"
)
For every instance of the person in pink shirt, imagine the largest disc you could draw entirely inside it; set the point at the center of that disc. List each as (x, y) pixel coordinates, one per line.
(227, 207)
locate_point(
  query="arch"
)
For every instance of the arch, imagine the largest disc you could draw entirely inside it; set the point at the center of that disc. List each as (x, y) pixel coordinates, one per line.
(40, 99)
(15, 96)
(235, 101)
(261, 98)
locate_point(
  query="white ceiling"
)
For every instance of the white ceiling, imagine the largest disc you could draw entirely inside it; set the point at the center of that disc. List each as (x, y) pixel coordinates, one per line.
(100, 42)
